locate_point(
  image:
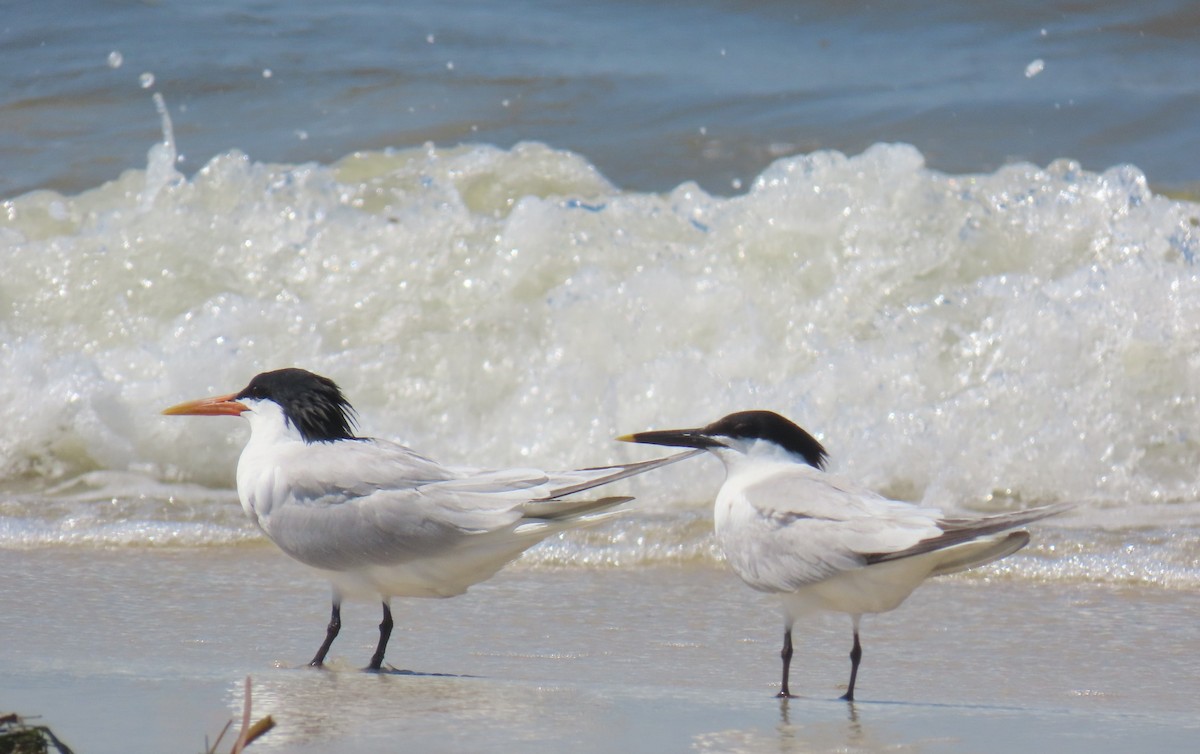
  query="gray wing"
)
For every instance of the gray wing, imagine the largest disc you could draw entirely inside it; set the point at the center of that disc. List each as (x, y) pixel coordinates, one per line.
(807, 526)
(957, 531)
(358, 468)
(378, 503)
(329, 473)
(814, 525)
(386, 527)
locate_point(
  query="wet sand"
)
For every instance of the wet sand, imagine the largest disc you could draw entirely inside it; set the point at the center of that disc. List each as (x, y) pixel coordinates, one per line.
(146, 650)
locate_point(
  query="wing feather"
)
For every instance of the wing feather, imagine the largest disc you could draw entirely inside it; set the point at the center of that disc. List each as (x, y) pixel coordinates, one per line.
(792, 526)
(956, 531)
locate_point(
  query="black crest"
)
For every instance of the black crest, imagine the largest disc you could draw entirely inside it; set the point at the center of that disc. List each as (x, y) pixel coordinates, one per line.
(768, 425)
(312, 403)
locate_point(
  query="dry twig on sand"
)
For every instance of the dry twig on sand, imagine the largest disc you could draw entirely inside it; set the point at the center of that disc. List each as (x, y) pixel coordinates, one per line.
(249, 733)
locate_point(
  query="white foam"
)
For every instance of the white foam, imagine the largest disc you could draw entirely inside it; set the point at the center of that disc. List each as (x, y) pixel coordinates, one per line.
(984, 341)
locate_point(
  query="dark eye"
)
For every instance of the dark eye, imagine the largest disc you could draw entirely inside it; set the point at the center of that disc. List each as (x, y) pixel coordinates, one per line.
(256, 392)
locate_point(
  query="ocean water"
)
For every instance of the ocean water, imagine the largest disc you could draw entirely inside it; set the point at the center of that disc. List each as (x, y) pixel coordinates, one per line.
(654, 94)
(510, 243)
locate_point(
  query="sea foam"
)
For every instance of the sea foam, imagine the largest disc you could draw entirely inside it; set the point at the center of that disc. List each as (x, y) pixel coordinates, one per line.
(978, 341)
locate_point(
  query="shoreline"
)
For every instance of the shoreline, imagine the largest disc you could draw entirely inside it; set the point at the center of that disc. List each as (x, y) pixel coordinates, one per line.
(140, 650)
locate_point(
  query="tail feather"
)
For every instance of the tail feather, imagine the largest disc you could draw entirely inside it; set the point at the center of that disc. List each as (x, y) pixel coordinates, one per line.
(1002, 521)
(567, 510)
(960, 531)
(543, 518)
(971, 557)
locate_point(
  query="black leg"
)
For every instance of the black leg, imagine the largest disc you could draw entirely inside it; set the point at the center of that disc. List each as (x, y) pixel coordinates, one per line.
(331, 632)
(385, 633)
(855, 657)
(786, 655)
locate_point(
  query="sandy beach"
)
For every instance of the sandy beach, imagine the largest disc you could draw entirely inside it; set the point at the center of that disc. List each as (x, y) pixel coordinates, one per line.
(142, 650)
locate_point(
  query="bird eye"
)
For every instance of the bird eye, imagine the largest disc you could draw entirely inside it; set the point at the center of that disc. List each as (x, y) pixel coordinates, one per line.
(254, 391)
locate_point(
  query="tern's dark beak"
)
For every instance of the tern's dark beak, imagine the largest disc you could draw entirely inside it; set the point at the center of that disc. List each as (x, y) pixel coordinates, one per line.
(221, 405)
(676, 438)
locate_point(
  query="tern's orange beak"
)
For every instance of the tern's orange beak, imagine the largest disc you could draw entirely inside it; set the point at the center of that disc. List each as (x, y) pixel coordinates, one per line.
(221, 405)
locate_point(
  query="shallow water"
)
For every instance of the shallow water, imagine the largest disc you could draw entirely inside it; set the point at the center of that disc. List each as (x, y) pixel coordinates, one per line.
(147, 651)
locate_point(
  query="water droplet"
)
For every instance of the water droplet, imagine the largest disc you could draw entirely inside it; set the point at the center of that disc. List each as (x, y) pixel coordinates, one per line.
(267, 73)
(1034, 68)
(146, 80)
(115, 59)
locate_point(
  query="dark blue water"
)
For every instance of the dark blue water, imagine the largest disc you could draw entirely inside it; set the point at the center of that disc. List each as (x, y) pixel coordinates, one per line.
(653, 93)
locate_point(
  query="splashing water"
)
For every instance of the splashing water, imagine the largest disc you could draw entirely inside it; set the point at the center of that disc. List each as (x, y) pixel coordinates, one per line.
(982, 341)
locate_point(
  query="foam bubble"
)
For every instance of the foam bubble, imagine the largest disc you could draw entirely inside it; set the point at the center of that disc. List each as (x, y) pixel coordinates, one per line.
(985, 341)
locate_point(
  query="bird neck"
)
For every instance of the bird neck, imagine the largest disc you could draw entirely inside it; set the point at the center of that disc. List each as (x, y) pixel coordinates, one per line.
(754, 453)
(269, 425)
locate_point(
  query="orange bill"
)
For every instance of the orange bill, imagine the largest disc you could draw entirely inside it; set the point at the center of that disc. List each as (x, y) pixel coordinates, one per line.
(221, 405)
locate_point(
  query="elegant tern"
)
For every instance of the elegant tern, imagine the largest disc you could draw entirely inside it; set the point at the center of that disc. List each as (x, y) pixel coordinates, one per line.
(377, 519)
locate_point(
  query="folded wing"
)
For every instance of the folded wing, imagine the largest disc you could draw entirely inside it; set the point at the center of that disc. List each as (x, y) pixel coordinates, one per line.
(812, 526)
